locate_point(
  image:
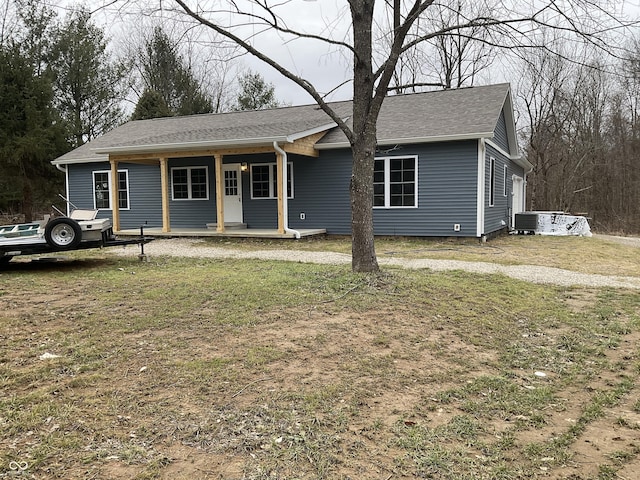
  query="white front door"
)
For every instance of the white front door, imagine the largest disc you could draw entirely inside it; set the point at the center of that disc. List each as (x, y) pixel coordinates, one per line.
(232, 185)
(517, 198)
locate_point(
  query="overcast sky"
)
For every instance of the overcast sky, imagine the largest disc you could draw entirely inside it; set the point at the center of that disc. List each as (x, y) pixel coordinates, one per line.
(315, 61)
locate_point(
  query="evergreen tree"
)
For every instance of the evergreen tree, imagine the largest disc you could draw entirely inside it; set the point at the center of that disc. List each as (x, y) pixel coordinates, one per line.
(31, 134)
(87, 82)
(151, 105)
(165, 71)
(255, 93)
(35, 32)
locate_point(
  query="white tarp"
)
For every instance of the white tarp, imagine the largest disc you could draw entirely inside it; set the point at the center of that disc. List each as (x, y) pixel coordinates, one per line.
(562, 224)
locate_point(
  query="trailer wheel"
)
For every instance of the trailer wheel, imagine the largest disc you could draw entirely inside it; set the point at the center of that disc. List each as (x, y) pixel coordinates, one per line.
(63, 233)
(4, 259)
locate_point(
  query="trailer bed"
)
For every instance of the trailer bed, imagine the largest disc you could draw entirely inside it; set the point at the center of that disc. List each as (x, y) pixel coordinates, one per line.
(79, 231)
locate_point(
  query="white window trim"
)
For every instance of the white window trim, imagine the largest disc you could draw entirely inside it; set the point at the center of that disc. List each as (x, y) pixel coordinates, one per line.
(492, 181)
(189, 189)
(273, 172)
(387, 183)
(108, 172)
(505, 187)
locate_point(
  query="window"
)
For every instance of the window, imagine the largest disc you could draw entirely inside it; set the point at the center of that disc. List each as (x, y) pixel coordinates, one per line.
(492, 181)
(102, 190)
(395, 182)
(190, 183)
(264, 180)
(505, 187)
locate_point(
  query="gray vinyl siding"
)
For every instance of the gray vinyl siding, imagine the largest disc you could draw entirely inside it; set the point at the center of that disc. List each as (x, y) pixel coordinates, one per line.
(447, 188)
(501, 138)
(145, 199)
(447, 179)
(497, 216)
(192, 213)
(261, 212)
(322, 192)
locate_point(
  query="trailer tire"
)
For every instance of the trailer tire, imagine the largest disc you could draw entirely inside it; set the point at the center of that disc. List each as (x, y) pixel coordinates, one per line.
(4, 259)
(63, 233)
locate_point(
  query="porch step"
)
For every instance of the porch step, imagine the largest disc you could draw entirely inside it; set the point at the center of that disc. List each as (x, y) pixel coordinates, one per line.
(228, 226)
(235, 226)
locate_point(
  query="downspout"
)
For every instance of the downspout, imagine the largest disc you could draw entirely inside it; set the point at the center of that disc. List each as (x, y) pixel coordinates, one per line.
(480, 190)
(285, 196)
(65, 170)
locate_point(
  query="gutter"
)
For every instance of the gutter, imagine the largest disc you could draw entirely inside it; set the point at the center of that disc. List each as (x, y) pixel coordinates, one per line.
(285, 196)
(410, 140)
(177, 147)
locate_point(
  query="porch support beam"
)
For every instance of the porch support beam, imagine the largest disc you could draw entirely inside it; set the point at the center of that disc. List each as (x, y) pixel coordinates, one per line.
(164, 182)
(115, 206)
(305, 146)
(281, 190)
(219, 194)
(207, 152)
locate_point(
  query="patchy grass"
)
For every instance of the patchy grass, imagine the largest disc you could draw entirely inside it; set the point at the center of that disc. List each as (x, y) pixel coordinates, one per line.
(229, 369)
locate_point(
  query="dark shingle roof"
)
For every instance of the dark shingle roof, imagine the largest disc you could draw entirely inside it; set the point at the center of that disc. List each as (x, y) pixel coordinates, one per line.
(461, 113)
(465, 112)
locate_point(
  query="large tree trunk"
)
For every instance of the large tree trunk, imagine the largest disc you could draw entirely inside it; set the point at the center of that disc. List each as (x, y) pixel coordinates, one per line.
(362, 238)
(363, 144)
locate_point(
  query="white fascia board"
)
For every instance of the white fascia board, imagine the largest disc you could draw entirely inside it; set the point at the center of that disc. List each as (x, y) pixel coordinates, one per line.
(519, 159)
(405, 141)
(176, 147)
(323, 128)
(72, 161)
(510, 122)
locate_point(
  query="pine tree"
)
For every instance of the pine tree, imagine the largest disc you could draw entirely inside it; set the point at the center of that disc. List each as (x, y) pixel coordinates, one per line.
(87, 81)
(255, 93)
(151, 105)
(31, 134)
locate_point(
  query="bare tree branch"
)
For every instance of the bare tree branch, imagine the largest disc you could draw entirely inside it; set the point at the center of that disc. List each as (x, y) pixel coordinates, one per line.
(306, 85)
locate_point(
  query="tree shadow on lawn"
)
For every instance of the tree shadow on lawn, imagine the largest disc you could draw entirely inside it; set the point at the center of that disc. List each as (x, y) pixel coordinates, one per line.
(52, 264)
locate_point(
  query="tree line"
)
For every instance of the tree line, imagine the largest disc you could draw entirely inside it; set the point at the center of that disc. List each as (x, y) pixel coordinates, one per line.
(580, 128)
(62, 86)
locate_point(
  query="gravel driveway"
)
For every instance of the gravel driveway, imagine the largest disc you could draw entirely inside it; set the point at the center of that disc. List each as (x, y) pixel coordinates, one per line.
(183, 247)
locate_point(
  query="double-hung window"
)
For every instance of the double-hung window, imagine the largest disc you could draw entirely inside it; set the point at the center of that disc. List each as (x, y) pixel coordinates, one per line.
(190, 183)
(395, 182)
(264, 180)
(102, 188)
(492, 181)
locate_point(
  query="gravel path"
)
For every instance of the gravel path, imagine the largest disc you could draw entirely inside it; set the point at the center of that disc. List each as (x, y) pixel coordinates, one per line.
(183, 247)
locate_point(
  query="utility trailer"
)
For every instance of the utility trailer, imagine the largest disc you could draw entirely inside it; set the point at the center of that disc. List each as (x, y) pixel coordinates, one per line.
(80, 230)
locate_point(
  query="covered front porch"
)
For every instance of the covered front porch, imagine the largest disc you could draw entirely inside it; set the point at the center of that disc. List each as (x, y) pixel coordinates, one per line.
(227, 190)
(207, 232)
